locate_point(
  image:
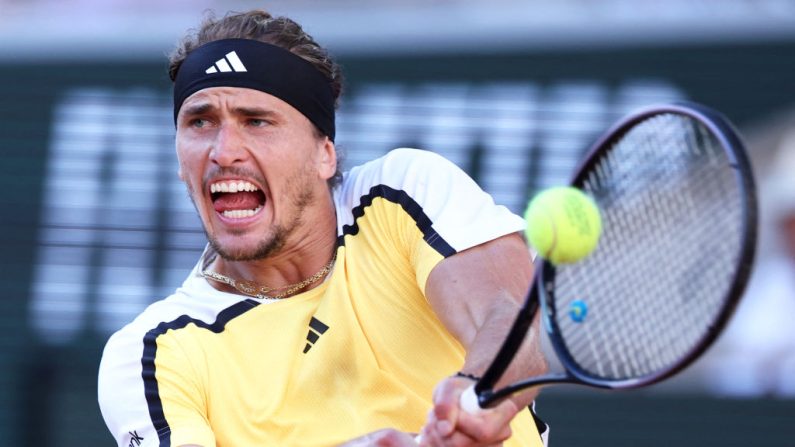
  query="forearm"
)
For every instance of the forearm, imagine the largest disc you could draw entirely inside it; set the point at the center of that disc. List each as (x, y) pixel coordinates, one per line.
(528, 361)
(477, 294)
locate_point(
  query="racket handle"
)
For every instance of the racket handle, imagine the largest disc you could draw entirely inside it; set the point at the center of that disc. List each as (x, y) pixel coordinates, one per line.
(469, 401)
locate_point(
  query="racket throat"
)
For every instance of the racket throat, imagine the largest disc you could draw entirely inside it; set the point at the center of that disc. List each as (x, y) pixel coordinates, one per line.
(489, 398)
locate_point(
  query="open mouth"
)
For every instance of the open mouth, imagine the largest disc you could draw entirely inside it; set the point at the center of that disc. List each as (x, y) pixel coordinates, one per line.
(236, 199)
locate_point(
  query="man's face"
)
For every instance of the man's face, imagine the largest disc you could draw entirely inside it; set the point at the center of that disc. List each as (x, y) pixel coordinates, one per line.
(254, 167)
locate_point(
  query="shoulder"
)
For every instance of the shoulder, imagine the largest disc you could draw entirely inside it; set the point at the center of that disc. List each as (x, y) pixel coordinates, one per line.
(410, 158)
(194, 302)
(405, 174)
(183, 302)
(126, 373)
(441, 199)
(121, 358)
(404, 167)
(121, 386)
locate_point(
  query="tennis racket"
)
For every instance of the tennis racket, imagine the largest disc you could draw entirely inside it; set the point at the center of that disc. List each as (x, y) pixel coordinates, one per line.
(679, 216)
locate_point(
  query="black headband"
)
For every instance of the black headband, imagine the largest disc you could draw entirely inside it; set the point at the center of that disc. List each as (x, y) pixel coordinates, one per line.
(259, 66)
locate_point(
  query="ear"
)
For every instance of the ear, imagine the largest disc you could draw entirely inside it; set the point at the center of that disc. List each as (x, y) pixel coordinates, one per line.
(327, 159)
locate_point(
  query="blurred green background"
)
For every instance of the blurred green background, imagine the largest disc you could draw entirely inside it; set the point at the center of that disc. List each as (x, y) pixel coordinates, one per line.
(95, 224)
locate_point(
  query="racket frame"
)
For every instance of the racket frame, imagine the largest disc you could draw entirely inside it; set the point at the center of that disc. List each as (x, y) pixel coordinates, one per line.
(542, 289)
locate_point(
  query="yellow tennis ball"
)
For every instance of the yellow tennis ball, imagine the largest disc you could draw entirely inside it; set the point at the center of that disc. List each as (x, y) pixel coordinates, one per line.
(563, 224)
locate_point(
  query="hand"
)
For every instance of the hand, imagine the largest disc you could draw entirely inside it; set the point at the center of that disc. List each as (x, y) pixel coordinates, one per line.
(383, 438)
(450, 426)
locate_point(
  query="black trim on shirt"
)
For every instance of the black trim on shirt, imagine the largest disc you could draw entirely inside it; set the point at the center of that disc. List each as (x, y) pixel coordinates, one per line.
(151, 390)
(410, 206)
(152, 393)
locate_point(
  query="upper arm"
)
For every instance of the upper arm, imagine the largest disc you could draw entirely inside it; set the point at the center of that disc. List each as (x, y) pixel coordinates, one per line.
(488, 281)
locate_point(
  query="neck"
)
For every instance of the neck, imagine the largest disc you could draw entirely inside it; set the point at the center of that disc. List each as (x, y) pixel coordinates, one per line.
(306, 253)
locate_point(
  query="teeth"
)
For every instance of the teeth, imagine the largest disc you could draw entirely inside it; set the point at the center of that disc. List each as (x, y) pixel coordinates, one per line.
(232, 186)
(240, 214)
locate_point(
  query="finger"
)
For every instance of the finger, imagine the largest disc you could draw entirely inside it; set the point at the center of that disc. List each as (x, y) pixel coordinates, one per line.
(428, 435)
(459, 439)
(490, 425)
(445, 408)
(456, 439)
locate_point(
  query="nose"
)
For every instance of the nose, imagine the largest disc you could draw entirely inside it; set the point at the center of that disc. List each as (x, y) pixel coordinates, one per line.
(229, 147)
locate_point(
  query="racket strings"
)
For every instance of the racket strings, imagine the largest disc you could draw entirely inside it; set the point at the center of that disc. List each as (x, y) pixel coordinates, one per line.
(671, 213)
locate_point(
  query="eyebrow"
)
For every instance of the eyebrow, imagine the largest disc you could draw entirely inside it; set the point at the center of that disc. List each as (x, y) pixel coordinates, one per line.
(253, 111)
(197, 109)
(202, 108)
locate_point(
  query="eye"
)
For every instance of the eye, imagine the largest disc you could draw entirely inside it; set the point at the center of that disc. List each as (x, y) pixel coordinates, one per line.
(197, 122)
(257, 122)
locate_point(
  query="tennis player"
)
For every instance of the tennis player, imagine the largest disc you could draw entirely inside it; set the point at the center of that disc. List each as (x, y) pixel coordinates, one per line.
(327, 309)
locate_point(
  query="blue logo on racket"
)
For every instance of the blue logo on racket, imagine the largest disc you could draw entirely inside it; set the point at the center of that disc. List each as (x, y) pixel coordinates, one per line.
(578, 310)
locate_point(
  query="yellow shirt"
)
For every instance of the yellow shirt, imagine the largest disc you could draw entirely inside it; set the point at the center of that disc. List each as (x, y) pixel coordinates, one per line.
(360, 352)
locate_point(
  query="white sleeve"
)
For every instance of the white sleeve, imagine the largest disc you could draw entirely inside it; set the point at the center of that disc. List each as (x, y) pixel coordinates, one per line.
(129, 406)
(122, 399)
(459, 211)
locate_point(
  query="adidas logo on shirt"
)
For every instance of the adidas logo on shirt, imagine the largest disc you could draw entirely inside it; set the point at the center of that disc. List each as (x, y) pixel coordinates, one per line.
(228, 63)
(316, 329)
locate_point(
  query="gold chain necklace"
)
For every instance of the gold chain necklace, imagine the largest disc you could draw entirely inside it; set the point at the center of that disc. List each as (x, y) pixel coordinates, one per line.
(251, 288)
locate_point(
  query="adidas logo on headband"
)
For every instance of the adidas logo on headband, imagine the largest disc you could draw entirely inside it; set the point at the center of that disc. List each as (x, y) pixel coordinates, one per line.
(226, 64)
